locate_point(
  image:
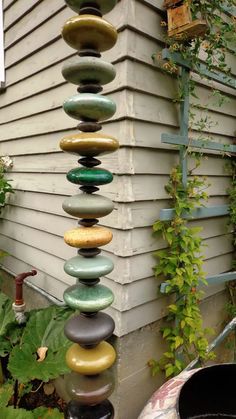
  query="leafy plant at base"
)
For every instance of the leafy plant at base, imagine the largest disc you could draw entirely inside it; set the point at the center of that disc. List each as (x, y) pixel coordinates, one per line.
(181, 265)
(44, 329)
(40, 413)
(23, 345)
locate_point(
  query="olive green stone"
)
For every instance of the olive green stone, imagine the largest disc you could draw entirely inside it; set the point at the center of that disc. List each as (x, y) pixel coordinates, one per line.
(88, 206)
(89, 177)
(88, 268)
(105, 6)
(89, 31)
(85, 70)
(89, 144)
(89, 106)
(88, 299)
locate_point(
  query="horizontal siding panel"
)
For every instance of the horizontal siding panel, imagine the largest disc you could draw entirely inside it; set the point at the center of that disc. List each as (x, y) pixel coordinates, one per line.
(8, 3)
(141, 239)
(127, 297)
(18, 9)
(125, 216)
(38, 38)
(131, 104)
(128, 74)
(124, 243)
(129, 133)
(34, 17)
(56, 52)
(125, 161)
(21, 223)
(123, 188)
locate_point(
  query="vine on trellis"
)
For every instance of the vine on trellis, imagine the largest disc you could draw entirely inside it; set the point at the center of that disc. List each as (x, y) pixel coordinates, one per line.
(181, 263)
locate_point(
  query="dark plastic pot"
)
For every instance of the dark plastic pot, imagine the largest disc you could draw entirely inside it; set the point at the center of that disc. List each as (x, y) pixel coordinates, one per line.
(204, 393)
(209, 393)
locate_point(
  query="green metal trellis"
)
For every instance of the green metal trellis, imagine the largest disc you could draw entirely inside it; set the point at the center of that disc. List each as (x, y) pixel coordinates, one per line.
(182, 140)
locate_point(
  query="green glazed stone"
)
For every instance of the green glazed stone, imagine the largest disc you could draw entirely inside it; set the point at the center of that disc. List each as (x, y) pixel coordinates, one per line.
(90, 390)
(104, 5)
(88, 299)
(88, 206)
(89, 177)
(85, 70)
(89, 106)
(88, 268)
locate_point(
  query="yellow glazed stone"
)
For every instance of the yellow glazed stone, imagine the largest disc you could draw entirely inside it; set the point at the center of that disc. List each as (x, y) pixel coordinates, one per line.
(90, 361)
(89, 31)
(89, 144)
(88, 237)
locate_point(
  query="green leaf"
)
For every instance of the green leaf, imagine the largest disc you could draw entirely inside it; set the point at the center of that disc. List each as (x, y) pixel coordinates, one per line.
(11, 413)
(178, 365)
(173, 308)
(169, 355)
(178, 342)
(47, 413)
(43, 329)
(166, 332)
(6, 313)
(6, 392)
(169, 371)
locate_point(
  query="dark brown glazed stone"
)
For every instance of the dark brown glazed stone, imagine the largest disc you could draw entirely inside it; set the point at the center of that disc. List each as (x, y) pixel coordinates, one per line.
(88, 253)
(90, 390)
(104, 410)
(89, 126)
(89, 330)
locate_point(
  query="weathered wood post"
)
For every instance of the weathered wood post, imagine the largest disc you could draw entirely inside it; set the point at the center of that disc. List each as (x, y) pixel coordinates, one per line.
(90, 357)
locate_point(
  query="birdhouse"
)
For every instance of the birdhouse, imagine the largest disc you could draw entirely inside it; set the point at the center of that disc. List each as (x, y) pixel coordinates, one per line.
(180, 21)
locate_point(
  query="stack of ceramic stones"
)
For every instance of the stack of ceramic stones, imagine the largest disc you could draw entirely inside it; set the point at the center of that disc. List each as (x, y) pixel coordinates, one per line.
(90, 383)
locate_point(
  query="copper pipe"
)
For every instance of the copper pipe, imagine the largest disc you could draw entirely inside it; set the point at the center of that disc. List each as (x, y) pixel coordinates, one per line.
(19, 280)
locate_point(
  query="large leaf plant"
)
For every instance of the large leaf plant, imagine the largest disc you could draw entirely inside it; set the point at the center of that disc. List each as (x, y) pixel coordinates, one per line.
(34, 351)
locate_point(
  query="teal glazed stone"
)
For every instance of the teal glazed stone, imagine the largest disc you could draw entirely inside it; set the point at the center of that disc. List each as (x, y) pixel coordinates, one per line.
(88, 206)
(90, 390)
(89, 177)
(88, 299)
(88, 268)
(89, 107)
(85, 70)
(105, 6)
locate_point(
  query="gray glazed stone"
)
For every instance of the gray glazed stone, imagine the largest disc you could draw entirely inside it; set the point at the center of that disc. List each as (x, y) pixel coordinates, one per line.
(104, 5)
(88, 268)
(89, 106)
(87, 70)
(88, 206)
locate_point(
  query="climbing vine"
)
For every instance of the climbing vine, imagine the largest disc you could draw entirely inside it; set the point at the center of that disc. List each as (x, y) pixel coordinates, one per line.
(231, 305)
(180, 264)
